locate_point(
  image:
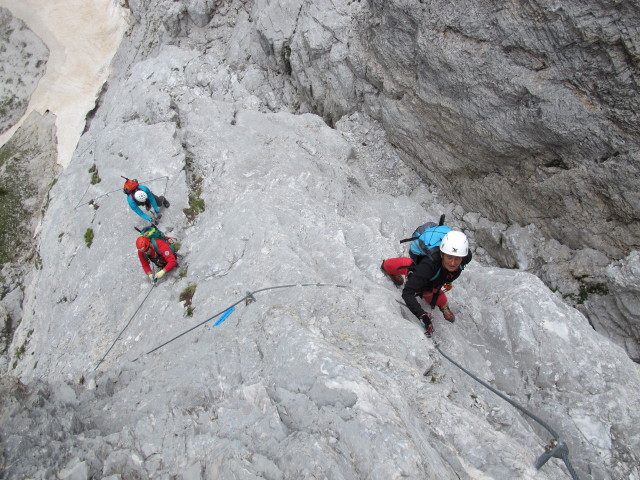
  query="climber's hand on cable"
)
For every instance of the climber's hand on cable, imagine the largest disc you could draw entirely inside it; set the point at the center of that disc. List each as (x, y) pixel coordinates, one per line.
(425, 320)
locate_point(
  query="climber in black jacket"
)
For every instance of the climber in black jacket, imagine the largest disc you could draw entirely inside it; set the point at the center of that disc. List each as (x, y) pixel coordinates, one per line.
(428, 275)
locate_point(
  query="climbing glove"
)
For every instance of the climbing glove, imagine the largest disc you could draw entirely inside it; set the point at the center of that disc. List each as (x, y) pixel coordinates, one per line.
(160, 274)
(152, 278)
(429, 331)
(425, 320)
(446, 287)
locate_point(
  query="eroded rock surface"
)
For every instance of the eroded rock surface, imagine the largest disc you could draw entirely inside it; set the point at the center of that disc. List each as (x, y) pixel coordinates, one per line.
(524, 113)
(333, 380)
(22, 63)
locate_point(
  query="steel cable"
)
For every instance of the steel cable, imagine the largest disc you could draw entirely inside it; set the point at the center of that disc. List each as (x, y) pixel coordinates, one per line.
(249, 296)
(125, 327)
(557, 448)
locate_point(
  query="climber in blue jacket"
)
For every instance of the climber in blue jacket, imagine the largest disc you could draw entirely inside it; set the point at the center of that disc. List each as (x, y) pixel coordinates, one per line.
(139, 195)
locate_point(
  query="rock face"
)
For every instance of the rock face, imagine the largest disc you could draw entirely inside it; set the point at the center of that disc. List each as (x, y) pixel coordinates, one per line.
(624, 278)
(529, 110)
(325, 374)
(22, 63)
(525, 113)
(27, 172)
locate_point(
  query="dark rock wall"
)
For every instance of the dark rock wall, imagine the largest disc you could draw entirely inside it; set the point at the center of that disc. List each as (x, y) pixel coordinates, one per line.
(524, 111)
(527, 110)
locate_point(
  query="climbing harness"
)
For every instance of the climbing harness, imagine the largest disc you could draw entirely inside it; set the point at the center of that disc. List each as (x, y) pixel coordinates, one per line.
(120, 190)
(248, 298)
(557, 448)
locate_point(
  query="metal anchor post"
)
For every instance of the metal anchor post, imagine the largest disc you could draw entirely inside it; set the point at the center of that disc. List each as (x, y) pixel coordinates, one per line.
(557, 449)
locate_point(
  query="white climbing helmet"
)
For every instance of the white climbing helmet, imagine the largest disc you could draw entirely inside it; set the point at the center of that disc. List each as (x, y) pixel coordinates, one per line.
(140, 196)
(455, 243)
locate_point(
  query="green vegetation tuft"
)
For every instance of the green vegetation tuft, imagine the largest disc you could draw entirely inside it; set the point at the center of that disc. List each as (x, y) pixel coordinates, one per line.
(19, 351)
(15, 213)
(6, 333)
(88, 237)
(595, 289)
(186, 296)
(37, 261)
(196, 202)
(586, 290)
(95, 178)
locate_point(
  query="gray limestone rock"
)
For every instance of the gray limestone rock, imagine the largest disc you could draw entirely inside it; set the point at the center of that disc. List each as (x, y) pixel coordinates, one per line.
(607, 310)
(325, 374)
(27, 171)
(22, 62)
(523, 113)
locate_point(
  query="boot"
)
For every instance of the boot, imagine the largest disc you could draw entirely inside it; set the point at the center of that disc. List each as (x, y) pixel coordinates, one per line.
(447, 313)
(166, 203)
(396, 279)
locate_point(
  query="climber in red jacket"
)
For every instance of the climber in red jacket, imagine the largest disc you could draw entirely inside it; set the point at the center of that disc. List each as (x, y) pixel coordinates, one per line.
(158, 252)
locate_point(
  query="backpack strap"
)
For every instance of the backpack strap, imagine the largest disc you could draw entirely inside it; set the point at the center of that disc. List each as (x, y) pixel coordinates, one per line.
(436, 275)
(164, 239)
(407, 267)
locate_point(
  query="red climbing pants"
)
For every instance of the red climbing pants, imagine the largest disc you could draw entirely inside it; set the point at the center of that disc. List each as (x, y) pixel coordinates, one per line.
(393, 267)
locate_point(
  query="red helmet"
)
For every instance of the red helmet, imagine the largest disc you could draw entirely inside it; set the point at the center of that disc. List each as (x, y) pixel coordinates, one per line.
(130, 186)
(142, 243)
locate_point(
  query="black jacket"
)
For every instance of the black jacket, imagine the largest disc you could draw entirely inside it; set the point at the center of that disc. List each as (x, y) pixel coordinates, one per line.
(421, 278)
